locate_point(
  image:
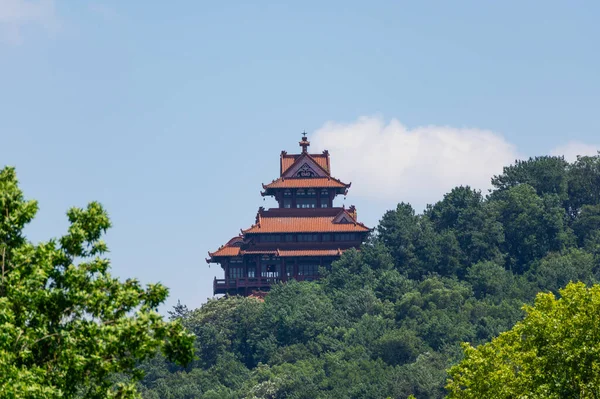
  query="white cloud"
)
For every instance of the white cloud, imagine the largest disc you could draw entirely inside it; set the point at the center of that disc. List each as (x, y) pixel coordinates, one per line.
(574, 148)
(390, 162)
(16, 14)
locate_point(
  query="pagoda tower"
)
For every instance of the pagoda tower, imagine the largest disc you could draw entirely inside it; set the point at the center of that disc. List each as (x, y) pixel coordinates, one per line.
(293, 240)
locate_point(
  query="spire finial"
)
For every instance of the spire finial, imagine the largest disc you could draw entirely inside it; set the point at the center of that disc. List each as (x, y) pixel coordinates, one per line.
(304, 143)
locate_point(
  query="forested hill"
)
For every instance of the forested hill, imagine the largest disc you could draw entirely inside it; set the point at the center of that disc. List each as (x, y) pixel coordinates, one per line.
(387, 321)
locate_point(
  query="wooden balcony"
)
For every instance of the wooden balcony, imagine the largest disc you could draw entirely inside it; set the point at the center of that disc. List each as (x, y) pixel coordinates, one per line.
(245, 285)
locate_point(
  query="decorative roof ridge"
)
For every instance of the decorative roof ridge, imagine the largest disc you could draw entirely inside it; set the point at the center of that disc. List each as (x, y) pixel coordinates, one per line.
(326, 153)
(257, 221)
(306, 154)
(258, 216)
(236, 238)
(281, 156)
(315, 161)
(354, 220)
(286, 155)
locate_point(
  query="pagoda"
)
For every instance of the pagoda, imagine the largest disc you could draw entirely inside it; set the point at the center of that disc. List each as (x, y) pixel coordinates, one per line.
(292, 241)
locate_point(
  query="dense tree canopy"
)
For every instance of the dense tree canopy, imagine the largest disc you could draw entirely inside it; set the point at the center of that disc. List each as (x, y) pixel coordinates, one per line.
(67, 328)
(553, 353)
(388, 320)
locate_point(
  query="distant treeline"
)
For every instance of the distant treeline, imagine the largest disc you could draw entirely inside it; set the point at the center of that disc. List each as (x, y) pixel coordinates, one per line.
(388, 320)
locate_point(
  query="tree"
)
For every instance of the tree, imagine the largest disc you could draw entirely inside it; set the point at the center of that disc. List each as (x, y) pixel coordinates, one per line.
(533, 225)
(555, 271)
(414, 244)
(546, 174)
(553, 353)
(587, 223)
(490, 279)
(67, 328)
(465, 212)
(397, 230)
(584, 183)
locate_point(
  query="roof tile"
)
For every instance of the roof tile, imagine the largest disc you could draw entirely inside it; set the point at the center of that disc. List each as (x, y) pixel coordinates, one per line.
(316, 182)
(288, 160)
(226, 251)
(303, 225)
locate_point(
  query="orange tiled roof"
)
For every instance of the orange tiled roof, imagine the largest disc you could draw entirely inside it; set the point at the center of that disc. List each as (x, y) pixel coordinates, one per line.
(225, 251)
(260, 252)
(305, 224)
(309, 252)
(306, 183)
(287, 160)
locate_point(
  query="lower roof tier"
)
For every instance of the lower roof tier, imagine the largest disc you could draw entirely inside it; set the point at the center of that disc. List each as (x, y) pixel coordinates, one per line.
(297, 232)
(328, 220)
(227, 252)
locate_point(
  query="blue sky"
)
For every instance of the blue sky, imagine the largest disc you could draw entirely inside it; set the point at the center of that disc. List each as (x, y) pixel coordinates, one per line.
(172, 113)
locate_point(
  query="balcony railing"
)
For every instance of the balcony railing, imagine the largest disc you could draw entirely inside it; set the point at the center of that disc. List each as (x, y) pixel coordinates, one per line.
(221, 286)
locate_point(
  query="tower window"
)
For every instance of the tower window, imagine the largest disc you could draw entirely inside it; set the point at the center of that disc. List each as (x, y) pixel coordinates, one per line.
(306, 203)
(308, 237)
(269, 270)
(270, 238)
(308, 269)
(236, 272)
(345, 237)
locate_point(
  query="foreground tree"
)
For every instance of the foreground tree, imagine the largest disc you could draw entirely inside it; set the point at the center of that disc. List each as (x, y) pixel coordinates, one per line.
(66, 326)
(553, 353)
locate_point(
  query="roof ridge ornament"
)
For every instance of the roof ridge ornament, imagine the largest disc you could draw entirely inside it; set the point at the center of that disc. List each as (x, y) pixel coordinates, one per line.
(304, 143)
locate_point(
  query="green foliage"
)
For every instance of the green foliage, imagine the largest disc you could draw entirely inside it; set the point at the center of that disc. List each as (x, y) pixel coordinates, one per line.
(546, 174)
(556, 270)
(388, 320)
(553, 353)
(465, 213)
(66, 328)
(533, 225)
(584, 183)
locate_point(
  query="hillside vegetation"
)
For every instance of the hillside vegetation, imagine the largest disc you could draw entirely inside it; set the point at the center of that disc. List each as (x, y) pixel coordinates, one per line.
(389, 320)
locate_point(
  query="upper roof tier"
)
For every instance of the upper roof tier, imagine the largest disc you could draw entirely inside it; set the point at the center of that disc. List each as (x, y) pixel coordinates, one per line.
(288, 160)
(305, 170)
